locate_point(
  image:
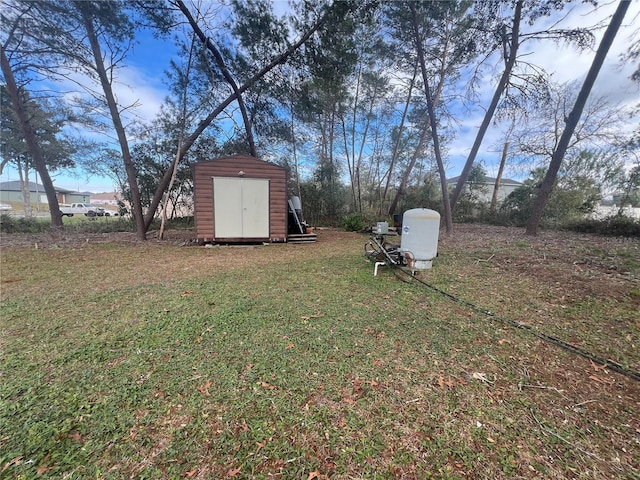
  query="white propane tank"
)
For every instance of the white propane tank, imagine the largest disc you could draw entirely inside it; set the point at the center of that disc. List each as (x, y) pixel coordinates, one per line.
(419, 241)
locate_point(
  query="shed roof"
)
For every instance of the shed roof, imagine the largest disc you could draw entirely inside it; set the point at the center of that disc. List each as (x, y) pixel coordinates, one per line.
(231, 158)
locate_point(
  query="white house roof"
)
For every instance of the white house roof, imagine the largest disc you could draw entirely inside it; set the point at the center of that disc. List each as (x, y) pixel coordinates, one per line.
(488, 180)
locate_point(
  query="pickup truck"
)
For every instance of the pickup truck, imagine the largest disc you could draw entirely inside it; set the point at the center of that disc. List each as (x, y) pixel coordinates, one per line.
(81, 209)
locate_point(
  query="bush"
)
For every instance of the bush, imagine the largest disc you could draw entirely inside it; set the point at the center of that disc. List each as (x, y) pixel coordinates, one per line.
(11, 224)
(177, 223)
(81, 224)
(354, 222)
(101, 225)
(617, 225)
(570, 201)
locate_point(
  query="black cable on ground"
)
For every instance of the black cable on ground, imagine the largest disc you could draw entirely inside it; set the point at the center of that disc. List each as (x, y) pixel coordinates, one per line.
(610, 364)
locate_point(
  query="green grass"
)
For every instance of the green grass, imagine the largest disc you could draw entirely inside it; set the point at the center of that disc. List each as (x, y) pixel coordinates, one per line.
(288, 361)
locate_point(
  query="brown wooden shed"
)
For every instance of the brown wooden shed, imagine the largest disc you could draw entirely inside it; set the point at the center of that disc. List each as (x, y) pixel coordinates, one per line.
(240, 199)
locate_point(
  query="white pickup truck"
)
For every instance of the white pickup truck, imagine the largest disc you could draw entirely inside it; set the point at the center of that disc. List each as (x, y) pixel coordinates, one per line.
(81, 209)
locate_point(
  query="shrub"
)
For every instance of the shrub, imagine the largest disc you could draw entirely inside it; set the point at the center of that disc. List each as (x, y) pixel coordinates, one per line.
(11, 224)
(617, 225)
(81, 224)
(177, 223)
(570, 201)
(354, 222)
(101, 225)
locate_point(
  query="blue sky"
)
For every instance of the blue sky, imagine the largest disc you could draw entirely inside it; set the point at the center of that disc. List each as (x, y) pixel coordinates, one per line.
(141, 81)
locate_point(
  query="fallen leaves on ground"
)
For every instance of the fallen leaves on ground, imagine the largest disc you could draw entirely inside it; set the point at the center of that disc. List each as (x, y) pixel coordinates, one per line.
(204, 388)
(448, 382)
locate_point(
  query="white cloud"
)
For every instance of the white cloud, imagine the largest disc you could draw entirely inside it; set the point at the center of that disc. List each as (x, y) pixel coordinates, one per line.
(568, 64)
(134, 86)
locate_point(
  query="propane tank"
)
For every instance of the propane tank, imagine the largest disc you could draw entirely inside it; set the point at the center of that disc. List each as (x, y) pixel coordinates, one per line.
(419, 241)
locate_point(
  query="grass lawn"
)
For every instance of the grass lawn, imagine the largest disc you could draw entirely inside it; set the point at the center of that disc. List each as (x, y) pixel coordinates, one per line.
(121, 359)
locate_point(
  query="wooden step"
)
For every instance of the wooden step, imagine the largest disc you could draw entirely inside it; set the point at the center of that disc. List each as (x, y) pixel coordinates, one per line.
(302, 238)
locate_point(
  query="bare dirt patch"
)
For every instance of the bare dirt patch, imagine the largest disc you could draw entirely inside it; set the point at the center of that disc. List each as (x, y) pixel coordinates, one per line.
(579, 264)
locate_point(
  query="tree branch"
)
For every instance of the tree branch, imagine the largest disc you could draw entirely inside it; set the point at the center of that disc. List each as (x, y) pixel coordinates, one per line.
(190, 140)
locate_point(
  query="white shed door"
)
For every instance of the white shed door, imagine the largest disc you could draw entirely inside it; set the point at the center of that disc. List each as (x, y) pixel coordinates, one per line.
(241, 207)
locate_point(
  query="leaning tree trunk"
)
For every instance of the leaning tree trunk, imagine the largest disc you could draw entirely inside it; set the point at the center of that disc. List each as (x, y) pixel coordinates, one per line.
(190, 140)
(183, 120)
(22, 117)
(502, 84)
(496, 187)
(225, 72)
(405, 176)
(574, 117)
(132, 176)
(396, 147)
(448, 219)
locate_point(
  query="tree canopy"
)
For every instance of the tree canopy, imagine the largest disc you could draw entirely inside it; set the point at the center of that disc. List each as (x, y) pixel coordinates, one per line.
(363, 102)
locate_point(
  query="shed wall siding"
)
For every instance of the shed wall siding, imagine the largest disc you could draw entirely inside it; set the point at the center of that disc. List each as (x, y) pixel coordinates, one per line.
(203, 174)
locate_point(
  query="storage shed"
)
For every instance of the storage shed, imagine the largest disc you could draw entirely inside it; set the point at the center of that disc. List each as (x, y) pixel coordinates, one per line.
(240, 199)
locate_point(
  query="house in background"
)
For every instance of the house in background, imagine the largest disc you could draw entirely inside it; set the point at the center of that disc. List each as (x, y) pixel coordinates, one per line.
(106, 198)
(11, 193)
(483, 190)
(110, 201)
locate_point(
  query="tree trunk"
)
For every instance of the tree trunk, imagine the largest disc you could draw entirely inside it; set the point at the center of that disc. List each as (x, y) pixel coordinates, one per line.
(348, 159)
(502, 84)
(434, 101)
(23, 177)
(375, 182)
(132, 175)
(574, 117)
(22, 118)
(405, 177)
(355, 181)
(167, 198)
(361, 152)
(333, 211)
(295, 155)
(396, 147)
(496, 187)
(432, 119)
(183, 121)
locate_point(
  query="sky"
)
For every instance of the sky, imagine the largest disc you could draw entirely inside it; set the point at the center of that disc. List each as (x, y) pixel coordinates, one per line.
(141, 82)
